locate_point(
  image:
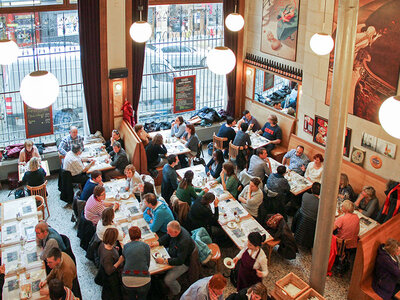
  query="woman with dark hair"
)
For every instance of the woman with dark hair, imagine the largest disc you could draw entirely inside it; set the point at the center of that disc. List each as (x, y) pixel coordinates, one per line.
(153, 151)
(214, 166)
(228, 179)
(186, 192)
(191, 138)
(143, 135)
(253, 264)
(135, 276)
(200, 213)
(345, 189)
(387, 270)
(314, 168)
(110, 263)
(107, 221)
(29, 151)
(178, 127)
(251, 197)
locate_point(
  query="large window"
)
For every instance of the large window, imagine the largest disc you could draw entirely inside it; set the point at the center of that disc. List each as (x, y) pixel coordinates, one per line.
(182, 37)
(53, 37)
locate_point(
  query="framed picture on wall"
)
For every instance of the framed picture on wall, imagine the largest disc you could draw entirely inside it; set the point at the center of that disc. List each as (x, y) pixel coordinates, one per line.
(308, 124)
(321, 131)
(268, 81)
(280, 21)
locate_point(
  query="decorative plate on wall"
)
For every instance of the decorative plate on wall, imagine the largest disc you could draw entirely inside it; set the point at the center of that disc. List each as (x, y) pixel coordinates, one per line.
(375, 161)
(357, 156)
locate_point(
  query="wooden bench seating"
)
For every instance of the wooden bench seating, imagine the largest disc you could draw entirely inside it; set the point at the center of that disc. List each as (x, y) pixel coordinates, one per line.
(358, 176)
(286, 123)
(361, 278)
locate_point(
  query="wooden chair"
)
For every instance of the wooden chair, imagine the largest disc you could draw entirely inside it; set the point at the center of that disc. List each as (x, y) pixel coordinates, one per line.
(218, 142)
(269, 247)
(40, 191)
(233, 151)
(40, 207)
(215, 254)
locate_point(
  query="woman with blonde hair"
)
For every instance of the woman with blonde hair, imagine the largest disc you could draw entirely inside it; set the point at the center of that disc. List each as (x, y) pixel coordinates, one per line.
(35, 175)
(107, 221)
(367, 203)
(28, 152)
(345, 189)
(348, 225)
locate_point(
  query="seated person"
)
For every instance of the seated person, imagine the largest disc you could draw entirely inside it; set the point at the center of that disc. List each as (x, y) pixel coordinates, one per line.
(48, 238)
(211, 287)
(180, 246)
(191, 138)
(367, 203)
(35, 175)
(256, 291)
(345, 189)
(387, 270)
(186, 192)
(214, 166)
(200, 213)
(58, 291)
(277, 183)
(68, 141)
(242, 139)
(298, 160)
(251, 197)
(74, 164)
(226, 131)
(133, 179)
(107, 221)
(157, 214)
(228, 179)
(250, 120)
(314, 169)
(291, 100)
(348, 225)
(272, 132)
(95, 205)
(391, 205)
(119, 160)
(28, 152)
(277, 105)
(154, 149)
(115, 137)
(143, 135)
(259, 165)
(169, 182)
(63, 268)
(178, 127)
(95, 179)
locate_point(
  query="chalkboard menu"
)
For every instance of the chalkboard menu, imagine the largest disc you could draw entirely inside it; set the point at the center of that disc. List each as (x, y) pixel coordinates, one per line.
(38, 122)
(184, 93)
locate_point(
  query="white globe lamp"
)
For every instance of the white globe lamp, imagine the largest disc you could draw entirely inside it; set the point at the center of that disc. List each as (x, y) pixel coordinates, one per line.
(321, 43)
(234, 22)
(39, 89)
(221, 60)
(140, 31)
(389, 113)
(8, 52)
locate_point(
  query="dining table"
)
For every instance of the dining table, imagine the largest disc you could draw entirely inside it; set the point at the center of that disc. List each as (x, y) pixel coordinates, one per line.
(23, 168)
(174, 145)
(97, 152)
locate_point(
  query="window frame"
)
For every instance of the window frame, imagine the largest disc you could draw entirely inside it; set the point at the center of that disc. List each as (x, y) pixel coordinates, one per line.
(39, 8)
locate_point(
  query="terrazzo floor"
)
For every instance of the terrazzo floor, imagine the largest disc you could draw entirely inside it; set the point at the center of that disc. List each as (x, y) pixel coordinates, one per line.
(60, 219)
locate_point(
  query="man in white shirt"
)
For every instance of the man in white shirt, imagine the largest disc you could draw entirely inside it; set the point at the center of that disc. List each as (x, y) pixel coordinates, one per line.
(74, 164)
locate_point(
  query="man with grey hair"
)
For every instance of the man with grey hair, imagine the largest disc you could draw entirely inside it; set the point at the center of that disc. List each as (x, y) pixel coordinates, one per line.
(68, 141)
(180, 247)
(119, 160)
(74, 164)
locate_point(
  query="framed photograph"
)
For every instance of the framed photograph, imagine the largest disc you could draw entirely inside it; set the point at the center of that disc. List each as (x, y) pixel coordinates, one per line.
(268, 81)
(280, 21)
(385, 148)
(357, 156)
(369, 141)
(308, 124)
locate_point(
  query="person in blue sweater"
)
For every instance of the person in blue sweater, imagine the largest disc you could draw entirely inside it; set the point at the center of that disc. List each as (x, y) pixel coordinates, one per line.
(157, 214)
(226, 131)
(95, 179)
(277, 183)
(214, 166)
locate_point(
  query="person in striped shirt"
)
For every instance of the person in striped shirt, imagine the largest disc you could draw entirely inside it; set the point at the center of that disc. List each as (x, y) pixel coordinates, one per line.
(95, 205)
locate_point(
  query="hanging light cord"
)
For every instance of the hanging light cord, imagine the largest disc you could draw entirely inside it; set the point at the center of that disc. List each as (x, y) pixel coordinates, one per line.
(323, 24)
(34, 36)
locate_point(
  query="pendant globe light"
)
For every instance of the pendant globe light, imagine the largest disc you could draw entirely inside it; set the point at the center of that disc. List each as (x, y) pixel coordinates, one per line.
(40, 88)
(234, 21)
(322, 43)
(140, 31)
(221, 60)
(8, 52)
(389, 113)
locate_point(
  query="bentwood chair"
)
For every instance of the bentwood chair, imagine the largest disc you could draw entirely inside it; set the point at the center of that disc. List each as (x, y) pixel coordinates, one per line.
(40, 191)
(218, 142)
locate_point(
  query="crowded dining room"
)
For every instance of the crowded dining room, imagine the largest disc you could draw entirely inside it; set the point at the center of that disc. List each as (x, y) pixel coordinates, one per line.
(188, 149)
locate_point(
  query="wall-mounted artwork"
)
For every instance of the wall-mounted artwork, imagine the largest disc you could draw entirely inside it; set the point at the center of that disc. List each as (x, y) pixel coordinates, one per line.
(378, 145)
(321, 131)
(308, 124)
(376, 59)
(279, 27)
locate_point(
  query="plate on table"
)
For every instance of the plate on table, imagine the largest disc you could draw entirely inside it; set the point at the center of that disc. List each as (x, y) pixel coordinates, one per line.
(157, 254)
(232, 225)
(125, 195)
(228, 262)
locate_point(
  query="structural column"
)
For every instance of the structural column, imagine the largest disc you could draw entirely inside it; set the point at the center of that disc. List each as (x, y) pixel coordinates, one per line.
(340, 93)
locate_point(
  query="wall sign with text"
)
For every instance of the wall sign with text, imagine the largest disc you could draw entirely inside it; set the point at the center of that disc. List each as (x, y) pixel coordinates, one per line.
(184, 93)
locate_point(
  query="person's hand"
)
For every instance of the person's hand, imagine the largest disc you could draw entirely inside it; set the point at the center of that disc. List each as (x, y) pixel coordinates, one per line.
(149, 213)
(159, 260)
(116, 206)
(154, 244)
(216, 201)
(92, 163)
(259, 273)
(235, 260)
(303, 168)
(42, 284)
(208, 173)
(205, 190)
(107, 160)
(241, 199)
(126, 188)
(259, 132)
(101, 183)
(121, 259)
(2, 269)
(251, 126)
